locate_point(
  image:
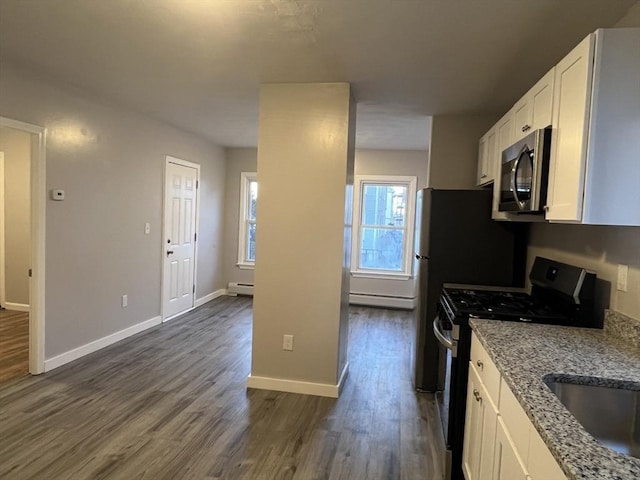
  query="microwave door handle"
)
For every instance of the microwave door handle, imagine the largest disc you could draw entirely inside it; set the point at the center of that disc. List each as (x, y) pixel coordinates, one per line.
(514, 175)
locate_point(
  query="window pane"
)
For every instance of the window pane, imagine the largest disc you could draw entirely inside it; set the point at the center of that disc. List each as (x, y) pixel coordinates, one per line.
(381, 248)
(253, 197)
(251, 241)
(384, 205)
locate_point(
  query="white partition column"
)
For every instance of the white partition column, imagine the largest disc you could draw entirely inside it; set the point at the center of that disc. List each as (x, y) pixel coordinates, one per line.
(305, 176)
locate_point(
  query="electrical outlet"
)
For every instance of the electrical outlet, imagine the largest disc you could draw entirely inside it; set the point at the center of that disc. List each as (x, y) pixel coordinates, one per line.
(125, 300)
(287, 342)
(623, 273)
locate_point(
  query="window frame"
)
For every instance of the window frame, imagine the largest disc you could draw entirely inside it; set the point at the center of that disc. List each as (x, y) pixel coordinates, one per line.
(243, 219)
(360, 181)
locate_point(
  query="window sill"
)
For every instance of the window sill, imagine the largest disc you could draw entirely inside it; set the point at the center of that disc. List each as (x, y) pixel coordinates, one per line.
(381, 275)
(246, 266)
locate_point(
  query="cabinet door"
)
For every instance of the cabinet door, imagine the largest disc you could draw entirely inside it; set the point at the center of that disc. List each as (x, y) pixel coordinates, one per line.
(505, 134)
(482, 161)
(522, 115)
(507, 464)
(541, 101)
(573, 78)
(480, 430)
(487, 157)
(473, 427)
(534, 110)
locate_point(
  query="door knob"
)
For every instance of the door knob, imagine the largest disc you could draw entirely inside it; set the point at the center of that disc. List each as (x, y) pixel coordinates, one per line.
(169, 252)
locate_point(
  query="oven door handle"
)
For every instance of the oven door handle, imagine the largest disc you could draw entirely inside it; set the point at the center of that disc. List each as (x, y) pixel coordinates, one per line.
(445, 340)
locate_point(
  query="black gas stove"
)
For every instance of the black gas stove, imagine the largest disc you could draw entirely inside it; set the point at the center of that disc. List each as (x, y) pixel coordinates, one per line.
(560, 295)
(466, 302)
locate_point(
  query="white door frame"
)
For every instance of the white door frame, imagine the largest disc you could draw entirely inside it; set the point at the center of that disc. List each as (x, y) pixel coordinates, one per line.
(3, 299)
(38, 211)
(184, 163)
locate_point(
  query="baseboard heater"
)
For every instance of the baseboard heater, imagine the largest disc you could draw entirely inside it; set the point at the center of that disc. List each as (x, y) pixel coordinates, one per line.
(235, 288)
(386, 301)
(367, 299)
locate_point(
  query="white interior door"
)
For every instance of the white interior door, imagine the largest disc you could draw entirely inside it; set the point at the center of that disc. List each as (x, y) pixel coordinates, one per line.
(180, 211)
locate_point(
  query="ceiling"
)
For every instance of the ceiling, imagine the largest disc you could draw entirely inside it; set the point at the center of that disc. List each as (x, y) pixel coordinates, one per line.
(198, 64)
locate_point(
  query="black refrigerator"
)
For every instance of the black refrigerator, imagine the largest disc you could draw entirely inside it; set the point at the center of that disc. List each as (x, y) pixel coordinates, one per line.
(459, 243)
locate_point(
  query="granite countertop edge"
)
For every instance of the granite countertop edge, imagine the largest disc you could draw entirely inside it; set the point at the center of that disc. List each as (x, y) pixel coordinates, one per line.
(524, 354)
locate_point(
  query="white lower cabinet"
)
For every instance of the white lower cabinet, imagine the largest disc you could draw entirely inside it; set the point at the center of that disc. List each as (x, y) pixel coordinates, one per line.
(507, 463)
(500, 442)
(480, 430)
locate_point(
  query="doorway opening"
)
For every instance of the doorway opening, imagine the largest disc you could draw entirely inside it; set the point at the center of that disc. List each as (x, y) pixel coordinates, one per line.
(22, 247)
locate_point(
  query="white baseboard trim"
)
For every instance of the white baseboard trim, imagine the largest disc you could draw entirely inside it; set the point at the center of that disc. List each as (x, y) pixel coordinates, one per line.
(296, 386)
(96, 345)
(209, 297)
(18, 307)
(382, 301)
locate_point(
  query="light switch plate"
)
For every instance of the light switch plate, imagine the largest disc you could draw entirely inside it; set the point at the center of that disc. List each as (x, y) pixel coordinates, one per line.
(623, 273)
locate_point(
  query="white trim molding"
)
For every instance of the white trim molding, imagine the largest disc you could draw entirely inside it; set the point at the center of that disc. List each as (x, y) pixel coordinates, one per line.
(99, 344)
(244, 220)
(296, 386)
(407, 227)
(38, 242)
(210, 296)
(18, 307)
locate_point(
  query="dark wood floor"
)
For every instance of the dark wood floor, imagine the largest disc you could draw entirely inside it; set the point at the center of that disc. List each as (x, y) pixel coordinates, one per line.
(14, 345)
(171, 403)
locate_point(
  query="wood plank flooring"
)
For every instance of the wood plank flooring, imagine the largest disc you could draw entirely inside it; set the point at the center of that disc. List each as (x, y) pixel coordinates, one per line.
(171, 403)
(14, 344)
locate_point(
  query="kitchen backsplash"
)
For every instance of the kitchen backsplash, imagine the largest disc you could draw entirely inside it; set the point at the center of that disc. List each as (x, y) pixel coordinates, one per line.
(623, 326)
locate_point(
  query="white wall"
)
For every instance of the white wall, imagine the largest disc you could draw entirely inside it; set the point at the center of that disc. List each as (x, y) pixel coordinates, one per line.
(16, 146)
(110, 162)
(238, 160)
(599, 249)
(389, 162)
(305, 163)
(453, 154)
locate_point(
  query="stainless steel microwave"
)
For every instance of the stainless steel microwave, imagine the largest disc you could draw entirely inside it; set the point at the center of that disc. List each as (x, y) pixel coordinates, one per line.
(525, 172)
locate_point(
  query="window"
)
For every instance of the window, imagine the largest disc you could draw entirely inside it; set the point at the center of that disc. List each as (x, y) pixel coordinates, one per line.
(383, 228)
(247, 230)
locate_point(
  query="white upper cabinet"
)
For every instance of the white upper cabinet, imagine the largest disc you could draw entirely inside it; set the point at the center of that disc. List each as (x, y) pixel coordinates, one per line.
(487, 158)
(594, 171)
(534, 110)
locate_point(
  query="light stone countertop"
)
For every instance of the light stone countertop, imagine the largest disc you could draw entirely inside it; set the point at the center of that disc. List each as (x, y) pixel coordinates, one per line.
(525, 353)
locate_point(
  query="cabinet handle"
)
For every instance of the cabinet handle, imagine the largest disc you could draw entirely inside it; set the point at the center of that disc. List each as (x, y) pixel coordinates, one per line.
(476, 395)
(480, 364)
(484, 175)
(546, 208)
(526, 127)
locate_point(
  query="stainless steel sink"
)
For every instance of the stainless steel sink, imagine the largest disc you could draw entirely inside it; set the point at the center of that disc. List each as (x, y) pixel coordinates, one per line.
(610, 413)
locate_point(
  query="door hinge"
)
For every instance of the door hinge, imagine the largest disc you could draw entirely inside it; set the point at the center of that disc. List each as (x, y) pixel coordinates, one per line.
(194, 288)
(30, 273)
(197, 184)
(195, 237)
